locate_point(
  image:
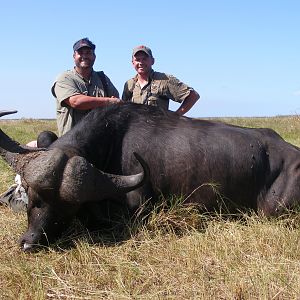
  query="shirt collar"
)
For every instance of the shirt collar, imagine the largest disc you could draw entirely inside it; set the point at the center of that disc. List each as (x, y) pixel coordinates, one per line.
(151, 75)
(80, 76)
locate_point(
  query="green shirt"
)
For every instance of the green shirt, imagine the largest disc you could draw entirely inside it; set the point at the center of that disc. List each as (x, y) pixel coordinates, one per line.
(160, 88)
(70, 83)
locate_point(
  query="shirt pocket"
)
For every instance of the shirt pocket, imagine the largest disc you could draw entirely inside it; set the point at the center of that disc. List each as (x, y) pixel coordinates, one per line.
(154, 93)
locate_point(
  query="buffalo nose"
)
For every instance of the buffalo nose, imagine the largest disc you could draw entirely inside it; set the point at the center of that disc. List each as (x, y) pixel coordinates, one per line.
(25, 242)
(27, 247)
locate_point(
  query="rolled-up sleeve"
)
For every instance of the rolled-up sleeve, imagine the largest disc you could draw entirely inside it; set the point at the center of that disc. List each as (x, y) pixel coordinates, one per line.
(177, 90)
(65, 87)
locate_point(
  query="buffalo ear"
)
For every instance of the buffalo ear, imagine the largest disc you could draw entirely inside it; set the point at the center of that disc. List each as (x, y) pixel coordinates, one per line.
(82, 182)
(16, 155)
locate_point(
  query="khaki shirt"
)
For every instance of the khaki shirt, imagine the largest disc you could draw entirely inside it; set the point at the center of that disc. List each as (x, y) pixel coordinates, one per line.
(70, 83)
(160, 88)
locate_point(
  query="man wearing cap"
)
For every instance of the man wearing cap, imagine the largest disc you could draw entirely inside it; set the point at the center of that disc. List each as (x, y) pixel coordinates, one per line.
(155, 88)
(81, 89)
(76, 91)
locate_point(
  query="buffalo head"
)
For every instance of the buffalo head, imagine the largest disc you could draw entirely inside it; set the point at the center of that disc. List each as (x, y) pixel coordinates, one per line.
(57, 186)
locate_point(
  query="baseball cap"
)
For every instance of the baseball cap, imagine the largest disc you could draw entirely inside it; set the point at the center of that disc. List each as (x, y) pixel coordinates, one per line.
(85, 42)
(143, 49)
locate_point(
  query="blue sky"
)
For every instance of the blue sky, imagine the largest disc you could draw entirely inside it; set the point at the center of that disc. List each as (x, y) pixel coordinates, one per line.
(241, 56)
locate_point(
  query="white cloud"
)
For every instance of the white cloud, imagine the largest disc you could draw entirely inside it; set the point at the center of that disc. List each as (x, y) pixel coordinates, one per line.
(297, 93)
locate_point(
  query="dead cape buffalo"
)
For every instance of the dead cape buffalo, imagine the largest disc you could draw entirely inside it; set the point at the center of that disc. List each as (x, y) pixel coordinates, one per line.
(252, 168)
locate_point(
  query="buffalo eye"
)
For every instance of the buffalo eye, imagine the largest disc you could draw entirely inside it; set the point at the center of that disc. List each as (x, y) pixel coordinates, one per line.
(37, 204)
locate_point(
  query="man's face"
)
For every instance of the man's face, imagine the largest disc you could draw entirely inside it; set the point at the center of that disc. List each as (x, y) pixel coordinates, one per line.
(84, 57)
(142, 63)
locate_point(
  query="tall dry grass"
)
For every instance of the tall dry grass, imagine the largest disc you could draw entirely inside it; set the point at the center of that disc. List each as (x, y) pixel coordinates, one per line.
(177, 254)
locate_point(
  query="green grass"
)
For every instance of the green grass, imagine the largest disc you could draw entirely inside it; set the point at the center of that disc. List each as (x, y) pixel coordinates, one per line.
(177, 254)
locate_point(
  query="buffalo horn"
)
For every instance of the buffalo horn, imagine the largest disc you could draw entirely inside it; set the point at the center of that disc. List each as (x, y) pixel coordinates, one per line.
(7, 112)
(82, 182)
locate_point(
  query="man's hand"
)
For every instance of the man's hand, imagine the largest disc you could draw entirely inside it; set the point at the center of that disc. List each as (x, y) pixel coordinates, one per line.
(116, 100)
